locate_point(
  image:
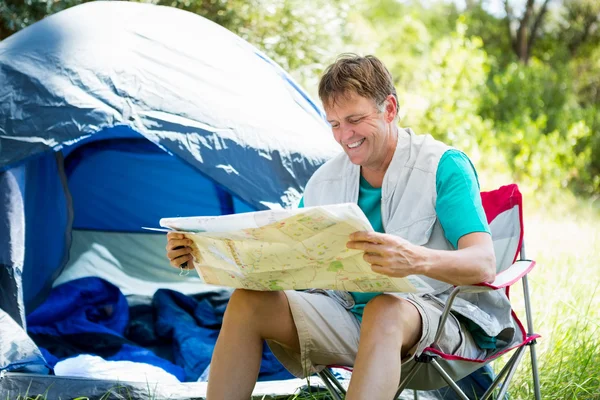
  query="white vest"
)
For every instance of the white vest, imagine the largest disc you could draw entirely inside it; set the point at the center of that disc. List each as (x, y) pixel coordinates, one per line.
(408, 199)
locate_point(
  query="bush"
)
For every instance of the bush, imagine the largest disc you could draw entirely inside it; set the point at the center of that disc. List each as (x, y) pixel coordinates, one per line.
(547, 138)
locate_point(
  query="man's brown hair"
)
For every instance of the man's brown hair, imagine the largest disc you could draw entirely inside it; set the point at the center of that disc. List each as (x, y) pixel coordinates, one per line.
(350, 73)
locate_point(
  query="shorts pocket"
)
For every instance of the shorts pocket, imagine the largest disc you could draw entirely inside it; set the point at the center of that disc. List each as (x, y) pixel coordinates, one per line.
(452, 337)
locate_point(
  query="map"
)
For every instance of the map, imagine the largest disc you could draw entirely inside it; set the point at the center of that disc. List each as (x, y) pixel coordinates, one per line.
(286, 249)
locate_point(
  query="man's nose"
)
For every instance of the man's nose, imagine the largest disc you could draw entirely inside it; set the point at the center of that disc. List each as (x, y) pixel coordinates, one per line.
(347, 132)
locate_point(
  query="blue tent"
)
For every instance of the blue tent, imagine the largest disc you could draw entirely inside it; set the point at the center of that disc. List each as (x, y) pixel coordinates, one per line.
(115, 114)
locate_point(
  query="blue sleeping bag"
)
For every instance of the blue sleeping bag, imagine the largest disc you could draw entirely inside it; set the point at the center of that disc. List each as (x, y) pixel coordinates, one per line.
(91, 316)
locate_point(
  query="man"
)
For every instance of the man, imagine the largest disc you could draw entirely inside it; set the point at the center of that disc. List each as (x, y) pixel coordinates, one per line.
(422, 198)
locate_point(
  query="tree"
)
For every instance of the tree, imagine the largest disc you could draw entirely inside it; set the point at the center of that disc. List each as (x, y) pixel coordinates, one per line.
(17, 14)
(492, 31)
(528, 26)
(580, 25)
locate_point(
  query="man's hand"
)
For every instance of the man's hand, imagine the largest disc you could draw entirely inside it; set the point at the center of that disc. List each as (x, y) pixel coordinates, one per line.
(178, 250)
(388, 254)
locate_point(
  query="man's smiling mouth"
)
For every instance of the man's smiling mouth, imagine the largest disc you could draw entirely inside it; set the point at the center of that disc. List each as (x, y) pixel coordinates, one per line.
(356, 144)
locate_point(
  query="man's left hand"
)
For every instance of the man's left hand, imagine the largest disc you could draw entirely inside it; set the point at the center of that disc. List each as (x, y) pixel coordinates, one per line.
(388, 254)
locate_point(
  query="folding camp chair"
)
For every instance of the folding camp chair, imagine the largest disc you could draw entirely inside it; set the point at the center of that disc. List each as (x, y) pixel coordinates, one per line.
(503, 209)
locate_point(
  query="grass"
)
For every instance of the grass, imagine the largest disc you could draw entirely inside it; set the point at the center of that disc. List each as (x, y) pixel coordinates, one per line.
(565, 287)
(116, 392)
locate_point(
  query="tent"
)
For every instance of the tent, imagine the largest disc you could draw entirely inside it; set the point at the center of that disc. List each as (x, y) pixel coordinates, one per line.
(113, 115)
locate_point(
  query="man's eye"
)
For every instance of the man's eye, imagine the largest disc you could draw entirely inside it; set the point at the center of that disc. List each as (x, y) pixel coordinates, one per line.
(355, 121)
(335, 126)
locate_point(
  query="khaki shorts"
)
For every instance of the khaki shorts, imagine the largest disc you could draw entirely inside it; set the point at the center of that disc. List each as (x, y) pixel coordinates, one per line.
(329, 334)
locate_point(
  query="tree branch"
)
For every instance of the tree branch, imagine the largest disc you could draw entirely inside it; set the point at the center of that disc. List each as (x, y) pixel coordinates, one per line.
(589, 23)
(522, 49)
(536, 24)
(509, 17)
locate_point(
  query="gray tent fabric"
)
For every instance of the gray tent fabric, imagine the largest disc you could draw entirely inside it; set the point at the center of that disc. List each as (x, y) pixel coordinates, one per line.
(13, 384)
(185, 83)
(12, 248)
(17, 349)
(53, 387)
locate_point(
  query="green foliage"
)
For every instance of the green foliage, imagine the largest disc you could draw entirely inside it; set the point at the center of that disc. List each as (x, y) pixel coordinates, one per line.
(17, 14)
(587, 85)
(521, 93)
(543, 161)
(457, 67)
(547, 138)
(440, 19)
(588, 181)
(580, 27)
(464, 85)
(493, 31)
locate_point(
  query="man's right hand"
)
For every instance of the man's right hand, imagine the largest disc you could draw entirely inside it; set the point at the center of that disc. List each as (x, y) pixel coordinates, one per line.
(178, 250)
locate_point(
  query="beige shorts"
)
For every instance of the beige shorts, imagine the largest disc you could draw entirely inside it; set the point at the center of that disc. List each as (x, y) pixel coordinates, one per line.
(329, 334)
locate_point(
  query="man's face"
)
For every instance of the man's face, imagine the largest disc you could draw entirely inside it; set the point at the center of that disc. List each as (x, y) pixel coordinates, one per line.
(360, 128)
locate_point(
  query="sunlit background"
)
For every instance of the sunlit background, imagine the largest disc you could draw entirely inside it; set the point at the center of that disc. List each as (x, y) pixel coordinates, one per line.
(515, 84)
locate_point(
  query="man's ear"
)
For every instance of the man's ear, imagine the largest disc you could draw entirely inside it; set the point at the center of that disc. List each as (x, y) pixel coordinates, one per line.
(391, 108)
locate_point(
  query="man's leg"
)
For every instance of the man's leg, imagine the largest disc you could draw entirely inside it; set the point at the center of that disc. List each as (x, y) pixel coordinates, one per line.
(250, 318)
(390, 327)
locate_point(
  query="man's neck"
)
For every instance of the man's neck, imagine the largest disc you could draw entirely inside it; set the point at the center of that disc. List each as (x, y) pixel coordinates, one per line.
(375, 175)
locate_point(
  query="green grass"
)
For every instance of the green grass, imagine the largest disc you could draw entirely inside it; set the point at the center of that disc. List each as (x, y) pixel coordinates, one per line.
(565, 287)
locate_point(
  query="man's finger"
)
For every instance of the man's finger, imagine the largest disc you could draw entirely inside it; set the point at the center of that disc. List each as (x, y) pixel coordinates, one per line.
(173, 254)
(380, 269)
(176, 262)
(365, 246)
(373, 258)
(363, 236)
(174, 243)
(174, 235)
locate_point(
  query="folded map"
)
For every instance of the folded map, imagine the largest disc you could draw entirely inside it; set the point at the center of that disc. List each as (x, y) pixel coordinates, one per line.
(286, 249)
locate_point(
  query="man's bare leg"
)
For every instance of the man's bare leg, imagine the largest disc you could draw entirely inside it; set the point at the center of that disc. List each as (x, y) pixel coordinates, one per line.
(391, 326)
(250, 318)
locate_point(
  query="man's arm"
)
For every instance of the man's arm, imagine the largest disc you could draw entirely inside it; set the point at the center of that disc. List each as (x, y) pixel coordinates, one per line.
(461, 214)
(463, 219)
(473, 262)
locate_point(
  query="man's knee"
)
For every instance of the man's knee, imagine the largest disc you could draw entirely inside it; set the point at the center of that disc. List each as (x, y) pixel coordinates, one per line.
(392, 315)
(265, 313)
(255, 304)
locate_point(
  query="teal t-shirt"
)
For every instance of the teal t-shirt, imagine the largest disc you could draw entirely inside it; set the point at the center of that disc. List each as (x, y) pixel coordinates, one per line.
(458, 208)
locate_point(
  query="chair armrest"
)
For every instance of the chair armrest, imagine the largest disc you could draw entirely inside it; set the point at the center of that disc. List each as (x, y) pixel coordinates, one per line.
(505, 278)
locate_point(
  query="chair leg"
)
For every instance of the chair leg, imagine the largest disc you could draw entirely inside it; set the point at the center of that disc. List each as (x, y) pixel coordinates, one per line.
(406, 379)
(534, 372)
(534, 369)
(449, 380)
(325, 377)
(502, 374)
(416, 395)
(327, 372)
(510, 374)
(529, 315)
